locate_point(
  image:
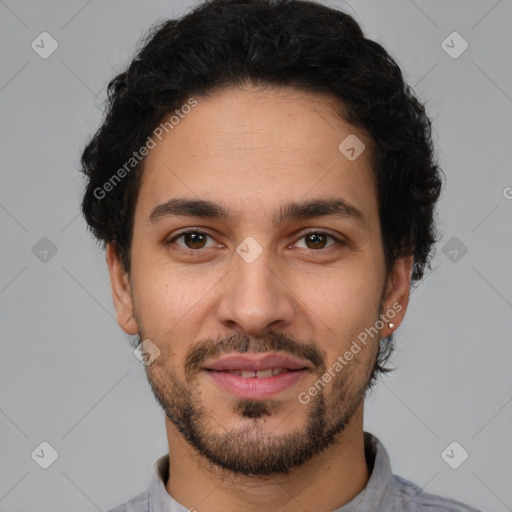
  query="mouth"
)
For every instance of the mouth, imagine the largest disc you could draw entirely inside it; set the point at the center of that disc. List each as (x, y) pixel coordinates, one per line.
(259, 374)
(256, 376)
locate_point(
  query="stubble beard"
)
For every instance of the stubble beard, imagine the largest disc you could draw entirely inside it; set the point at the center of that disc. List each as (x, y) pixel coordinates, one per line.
(254, 450)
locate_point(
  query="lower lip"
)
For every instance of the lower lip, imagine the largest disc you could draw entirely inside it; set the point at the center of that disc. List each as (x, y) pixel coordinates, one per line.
(255, 387)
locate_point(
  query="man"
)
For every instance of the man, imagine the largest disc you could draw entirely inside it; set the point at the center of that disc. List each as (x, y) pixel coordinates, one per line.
(264, 183)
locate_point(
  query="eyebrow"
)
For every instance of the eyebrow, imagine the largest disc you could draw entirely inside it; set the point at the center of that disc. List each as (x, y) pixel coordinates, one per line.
(183, 207)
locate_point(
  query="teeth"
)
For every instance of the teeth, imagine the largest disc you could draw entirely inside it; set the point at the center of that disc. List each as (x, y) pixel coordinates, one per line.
(264, 373)
(260, 374)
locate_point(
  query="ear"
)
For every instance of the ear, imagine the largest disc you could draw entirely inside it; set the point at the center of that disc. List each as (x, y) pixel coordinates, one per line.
(397, 294)
(121, 291)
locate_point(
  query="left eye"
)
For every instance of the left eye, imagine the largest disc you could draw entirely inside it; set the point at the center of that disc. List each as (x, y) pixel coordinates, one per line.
(196, 240)
(317, 240)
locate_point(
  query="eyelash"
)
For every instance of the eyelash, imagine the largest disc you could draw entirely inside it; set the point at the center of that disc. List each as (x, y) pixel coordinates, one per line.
(197, 251)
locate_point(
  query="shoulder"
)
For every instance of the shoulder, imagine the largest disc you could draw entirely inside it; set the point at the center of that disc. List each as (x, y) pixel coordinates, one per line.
(137, 504)
(413, 499)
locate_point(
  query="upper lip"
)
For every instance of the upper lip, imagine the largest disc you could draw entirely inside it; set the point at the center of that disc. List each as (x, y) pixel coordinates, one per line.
(255, 362)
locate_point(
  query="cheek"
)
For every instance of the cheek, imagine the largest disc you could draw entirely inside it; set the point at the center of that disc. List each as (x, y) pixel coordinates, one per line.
(170, 302)
(162, 290)
(343, 303)
(352, 344)
(161, 298)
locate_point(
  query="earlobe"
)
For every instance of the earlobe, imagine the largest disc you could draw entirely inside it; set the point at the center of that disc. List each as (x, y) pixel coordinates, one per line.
(121, 291)
(397, 294)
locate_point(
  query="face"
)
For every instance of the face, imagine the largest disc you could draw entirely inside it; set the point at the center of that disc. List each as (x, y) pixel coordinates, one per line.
(256, 297)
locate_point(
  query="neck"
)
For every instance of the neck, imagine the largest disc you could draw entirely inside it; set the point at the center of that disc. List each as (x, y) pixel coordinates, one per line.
(337, 474)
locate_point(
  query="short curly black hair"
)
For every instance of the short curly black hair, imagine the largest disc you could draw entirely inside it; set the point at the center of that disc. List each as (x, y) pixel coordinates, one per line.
(295, 43)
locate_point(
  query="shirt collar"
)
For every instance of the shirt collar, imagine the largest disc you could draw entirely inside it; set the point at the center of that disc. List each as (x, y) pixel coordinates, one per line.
(376, 493)
(159, 499)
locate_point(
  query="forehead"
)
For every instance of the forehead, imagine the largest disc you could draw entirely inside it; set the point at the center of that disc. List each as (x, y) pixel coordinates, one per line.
(249, 147)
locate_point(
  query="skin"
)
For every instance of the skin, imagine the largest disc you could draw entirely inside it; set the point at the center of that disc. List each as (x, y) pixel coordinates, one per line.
(253, 150)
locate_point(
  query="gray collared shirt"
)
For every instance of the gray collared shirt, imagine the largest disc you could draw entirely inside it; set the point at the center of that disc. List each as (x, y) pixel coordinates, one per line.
(384, 491)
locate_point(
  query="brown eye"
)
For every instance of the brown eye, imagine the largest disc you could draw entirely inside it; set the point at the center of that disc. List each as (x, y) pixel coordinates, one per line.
(192, 240)
(316, 240)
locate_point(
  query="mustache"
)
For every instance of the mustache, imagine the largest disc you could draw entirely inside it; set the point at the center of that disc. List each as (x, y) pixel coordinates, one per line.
(241, 343)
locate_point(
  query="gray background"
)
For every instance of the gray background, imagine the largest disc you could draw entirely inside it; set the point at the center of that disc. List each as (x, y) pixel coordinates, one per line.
(68, 375)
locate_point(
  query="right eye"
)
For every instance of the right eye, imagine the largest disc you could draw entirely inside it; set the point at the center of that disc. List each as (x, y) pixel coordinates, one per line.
(193, 240)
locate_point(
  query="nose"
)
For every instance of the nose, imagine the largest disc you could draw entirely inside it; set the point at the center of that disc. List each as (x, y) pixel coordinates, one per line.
(255, 297)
